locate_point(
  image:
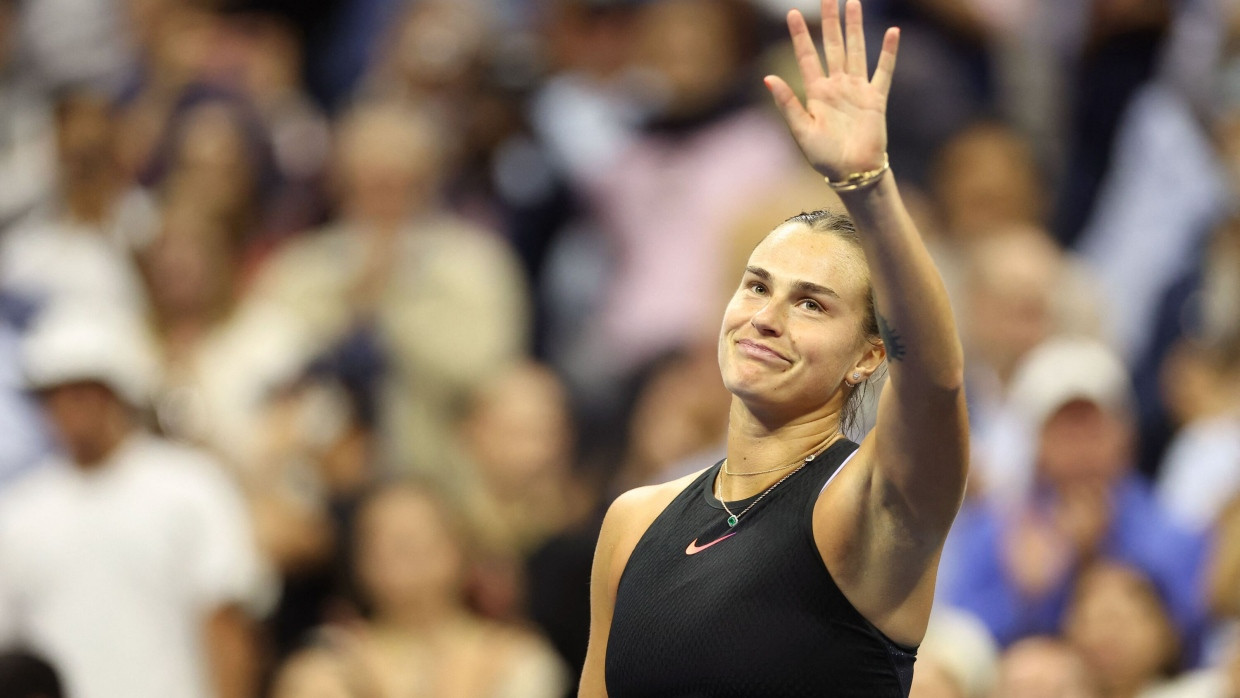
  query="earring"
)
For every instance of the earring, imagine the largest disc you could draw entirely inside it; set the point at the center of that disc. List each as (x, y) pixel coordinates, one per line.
(857, 377)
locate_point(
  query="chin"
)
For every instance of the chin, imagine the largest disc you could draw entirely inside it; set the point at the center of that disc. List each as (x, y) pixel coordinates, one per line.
(750, 389)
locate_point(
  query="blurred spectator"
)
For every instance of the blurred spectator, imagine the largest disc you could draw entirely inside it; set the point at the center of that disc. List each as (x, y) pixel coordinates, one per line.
(216, 151)
(263, 58)
(518, 436)
(1163, 193)
(217, 147)
(934, 680)
(1221, 678)
(1016, 288)
(25, 675)
(1039, 667)
(316, 466)
(1016, 568)
(1122, 627)
(985, 178)
(452, 59)
(221, 359)
(1201, 470)
(961, 655)
(77, 41)
(1224, 578)
(426, 304)
(946, 47)
(230, 384)
(81, 247)
(26, 135)
(702, 158)
(25, 441)
(522, 491)
(434, 55)
(321, 673)
(1117, 47)
(412, 561)
(679, 420)
(587, 111)
(1218, 681)
(129, 561)
(1195, 283)
(174, 39)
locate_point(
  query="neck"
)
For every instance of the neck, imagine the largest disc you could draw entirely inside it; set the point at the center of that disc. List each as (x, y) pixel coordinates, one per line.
(419, 615)
(756, 444)
(92, 455)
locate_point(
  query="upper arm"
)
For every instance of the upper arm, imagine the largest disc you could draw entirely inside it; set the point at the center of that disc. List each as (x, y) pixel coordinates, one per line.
(623, 527)
(227, 568)
(603, 597)
(919, 449)
(232, 652)
(625, 523)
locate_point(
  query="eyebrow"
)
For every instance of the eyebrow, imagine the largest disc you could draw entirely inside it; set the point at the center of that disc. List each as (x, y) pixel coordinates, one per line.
(803, 286)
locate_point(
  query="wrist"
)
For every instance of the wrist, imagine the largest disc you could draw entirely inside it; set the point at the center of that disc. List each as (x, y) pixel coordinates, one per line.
(858, 181)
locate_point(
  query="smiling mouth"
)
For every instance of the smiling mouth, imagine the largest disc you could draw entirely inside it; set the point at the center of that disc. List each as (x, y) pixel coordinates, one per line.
(759, 351)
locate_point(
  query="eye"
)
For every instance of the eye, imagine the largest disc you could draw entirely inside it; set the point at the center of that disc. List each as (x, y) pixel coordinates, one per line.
(757, 287)
(811, 305)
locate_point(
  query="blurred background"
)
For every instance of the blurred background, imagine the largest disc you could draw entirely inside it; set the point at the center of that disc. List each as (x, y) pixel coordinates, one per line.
(330, 328)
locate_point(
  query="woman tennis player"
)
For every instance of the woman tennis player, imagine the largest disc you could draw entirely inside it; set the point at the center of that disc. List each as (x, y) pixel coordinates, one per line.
(803, 564)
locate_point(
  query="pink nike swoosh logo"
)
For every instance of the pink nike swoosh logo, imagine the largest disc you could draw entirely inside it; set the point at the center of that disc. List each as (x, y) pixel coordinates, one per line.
(695, 548)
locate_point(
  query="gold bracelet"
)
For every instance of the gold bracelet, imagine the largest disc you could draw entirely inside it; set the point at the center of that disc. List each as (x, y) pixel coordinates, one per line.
(860, 180)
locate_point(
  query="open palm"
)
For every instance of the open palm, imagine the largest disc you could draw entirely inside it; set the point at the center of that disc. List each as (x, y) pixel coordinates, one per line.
(842, 127)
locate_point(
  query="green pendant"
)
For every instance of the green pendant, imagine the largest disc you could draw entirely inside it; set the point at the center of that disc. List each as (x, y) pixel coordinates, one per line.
(731, 521)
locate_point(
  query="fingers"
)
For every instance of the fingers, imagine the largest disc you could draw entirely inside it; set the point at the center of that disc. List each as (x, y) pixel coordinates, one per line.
(886, 62)
(803, 46)
(854, 37)
(832, 37)
(788, 104)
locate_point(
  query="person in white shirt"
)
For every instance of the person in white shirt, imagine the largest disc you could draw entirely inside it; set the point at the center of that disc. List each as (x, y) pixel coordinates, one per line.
(128, 561)
(80, 243)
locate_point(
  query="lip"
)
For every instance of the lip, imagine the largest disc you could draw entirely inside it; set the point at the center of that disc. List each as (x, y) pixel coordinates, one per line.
(760, 351)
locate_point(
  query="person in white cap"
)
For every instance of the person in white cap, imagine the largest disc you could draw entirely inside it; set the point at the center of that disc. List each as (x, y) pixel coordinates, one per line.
(128, 561)
(1015, 569)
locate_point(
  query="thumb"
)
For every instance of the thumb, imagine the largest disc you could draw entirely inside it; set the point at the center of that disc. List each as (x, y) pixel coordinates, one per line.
(788, 104)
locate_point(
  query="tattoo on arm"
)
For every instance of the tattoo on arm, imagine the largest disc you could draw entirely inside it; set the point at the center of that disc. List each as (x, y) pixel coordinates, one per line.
(891, 339)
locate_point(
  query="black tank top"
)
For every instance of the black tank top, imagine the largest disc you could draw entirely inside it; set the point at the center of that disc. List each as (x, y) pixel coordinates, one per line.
(703, 610)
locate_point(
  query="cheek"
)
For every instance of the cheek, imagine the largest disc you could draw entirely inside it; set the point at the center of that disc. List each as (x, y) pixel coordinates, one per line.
(734, 317)
(825, 351)
(735, 314)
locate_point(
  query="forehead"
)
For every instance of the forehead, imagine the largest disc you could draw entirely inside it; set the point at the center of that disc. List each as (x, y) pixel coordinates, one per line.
(399, 510)
(794, 252)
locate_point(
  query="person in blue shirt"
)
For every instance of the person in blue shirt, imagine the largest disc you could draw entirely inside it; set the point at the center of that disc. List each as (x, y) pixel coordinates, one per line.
(1016, 569)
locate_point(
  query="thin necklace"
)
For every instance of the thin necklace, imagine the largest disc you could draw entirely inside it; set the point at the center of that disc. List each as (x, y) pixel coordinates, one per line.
(760, 472)
(734, 519)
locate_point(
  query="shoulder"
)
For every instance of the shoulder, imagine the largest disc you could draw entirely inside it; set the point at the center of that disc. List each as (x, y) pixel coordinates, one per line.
(178, 469)
(517, 643)
(323, 247)
(33, 492)
(630, 515)
(519, 659)
(453, 238)
(642, 505)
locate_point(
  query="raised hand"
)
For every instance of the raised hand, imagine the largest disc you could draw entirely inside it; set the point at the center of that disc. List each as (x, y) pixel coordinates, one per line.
(842, 127)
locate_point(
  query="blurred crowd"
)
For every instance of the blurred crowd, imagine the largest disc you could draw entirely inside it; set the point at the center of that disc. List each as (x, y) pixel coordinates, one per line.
(329, 329)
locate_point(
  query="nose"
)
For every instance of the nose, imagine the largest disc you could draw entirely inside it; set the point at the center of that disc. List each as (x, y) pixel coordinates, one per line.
(768, 321)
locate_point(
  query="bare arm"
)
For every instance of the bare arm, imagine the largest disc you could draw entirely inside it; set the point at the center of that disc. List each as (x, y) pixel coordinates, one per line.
(232, 653)
(919, 447)
(614, 538)
(626, 521)
(603, 598)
